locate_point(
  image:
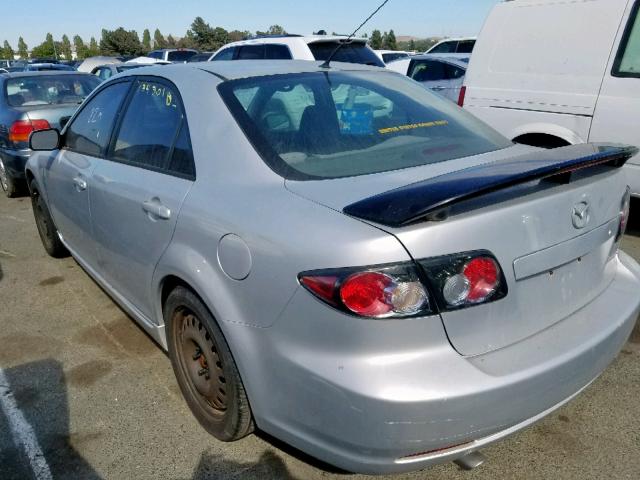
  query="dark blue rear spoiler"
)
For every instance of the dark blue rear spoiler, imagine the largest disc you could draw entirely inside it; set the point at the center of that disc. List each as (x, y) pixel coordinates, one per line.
(414, 202)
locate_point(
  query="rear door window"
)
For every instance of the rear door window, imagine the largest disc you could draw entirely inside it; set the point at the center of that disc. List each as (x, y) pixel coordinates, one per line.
(277, 52)
(427, 71)
(226, 54)
(445, 47)
(251, 52)
(627, 63)
(466, 46)
(350, 53)
(90, 131)
(152, 123)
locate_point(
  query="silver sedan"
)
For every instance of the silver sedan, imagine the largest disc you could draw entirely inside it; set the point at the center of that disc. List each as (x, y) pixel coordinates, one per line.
(341, 258)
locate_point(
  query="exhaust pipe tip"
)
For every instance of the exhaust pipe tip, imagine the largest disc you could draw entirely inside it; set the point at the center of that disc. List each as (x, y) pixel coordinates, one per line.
(470, 461)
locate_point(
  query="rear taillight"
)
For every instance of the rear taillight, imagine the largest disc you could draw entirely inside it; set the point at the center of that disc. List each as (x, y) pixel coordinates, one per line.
(401, 291)
(463, 93)
(625, 207)
(21, 129)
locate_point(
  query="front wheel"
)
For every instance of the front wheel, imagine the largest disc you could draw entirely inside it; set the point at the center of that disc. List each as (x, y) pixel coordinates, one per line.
(46, 228)
(205, 369)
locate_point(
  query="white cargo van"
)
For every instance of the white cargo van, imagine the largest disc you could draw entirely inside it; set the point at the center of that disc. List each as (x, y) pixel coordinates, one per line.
(555, 72)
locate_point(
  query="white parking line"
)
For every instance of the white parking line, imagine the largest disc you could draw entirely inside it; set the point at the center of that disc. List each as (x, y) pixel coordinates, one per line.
(23, 434)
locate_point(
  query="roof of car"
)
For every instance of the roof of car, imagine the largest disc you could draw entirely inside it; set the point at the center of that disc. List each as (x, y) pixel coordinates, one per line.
(254, 68)
(293, 39)
(448, 58)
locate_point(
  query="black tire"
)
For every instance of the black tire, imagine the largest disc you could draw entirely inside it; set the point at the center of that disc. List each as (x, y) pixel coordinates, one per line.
(8, 184)
(204, 367)
(46, 228)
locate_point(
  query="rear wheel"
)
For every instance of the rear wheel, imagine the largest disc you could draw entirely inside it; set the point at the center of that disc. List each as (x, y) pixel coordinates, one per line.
(7, 182)
(46, 228)
(205, 370)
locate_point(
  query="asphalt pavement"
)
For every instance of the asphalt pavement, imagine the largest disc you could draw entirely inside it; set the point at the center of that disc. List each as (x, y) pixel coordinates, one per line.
(95, 398)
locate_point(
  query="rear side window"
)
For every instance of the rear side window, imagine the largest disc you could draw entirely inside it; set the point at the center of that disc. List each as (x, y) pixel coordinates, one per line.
(627, 63)
(155, 54)
(350, 53)
(277, 52)
(180, 55)
(322, 125)
(466, 46)
(150, 127)
(446, 47)
(90, 131)
(427, 71)
(251, 52)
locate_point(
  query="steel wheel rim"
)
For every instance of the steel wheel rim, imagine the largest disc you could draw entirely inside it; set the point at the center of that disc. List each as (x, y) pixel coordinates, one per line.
(41, 222)
(200, 362)
(3, 177)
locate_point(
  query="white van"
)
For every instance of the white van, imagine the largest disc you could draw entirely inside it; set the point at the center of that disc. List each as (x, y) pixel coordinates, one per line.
(556, 72)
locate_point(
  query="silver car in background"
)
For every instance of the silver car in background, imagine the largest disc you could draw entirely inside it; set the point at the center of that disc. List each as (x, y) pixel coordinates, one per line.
(341, 258)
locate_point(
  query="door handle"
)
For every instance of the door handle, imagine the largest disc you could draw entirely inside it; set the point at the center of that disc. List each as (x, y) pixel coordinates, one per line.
(80, 183)
(438, 89)
(156, 209)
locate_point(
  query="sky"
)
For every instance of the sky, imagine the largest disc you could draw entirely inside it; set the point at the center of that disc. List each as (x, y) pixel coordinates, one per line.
(420, 18)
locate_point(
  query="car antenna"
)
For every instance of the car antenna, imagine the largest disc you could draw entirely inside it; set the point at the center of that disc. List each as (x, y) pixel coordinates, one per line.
(326, 63)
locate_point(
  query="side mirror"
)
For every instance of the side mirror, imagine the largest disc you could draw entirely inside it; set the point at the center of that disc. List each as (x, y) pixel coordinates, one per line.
(44, 140)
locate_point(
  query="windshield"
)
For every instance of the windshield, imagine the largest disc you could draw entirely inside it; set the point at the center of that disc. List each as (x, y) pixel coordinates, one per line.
(49, 90)
(180, 55)
(340, 124)
(356, 52)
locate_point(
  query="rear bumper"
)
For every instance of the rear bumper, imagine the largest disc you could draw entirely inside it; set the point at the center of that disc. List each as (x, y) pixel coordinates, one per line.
(15, 161)
(374, 397)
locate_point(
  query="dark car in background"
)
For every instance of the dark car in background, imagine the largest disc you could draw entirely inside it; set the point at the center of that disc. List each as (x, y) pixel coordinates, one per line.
(32, 101)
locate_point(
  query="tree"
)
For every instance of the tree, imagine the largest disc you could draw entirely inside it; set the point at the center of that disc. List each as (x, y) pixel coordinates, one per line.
(146, 40)
(46, 49)
(23, 50)
(390, 41)
(66, 48)
(93, 49)
(412, 45)
(158, 39)
(376, 40)
(237, 35)
(273, 30)
(188, 41)
(81, 48)
(120, 42)
(171, 42)
(6, 51)
(206, 37)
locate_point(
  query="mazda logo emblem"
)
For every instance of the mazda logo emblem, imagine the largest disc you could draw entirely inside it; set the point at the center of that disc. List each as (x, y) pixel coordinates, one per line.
(580, 215)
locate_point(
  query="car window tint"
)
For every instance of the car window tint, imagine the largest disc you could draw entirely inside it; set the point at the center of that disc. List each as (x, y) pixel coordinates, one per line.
(182, 158)
(149, 126)
(446, 47)
(427, 71)
(155, 54)
(628, 62)
(90, 131)
(340, 124)
(226, 54)
(105, 73)
(277, 52)
(465, 46)
(452, 72)
(350, 53)
(180, 55)
(251, 52)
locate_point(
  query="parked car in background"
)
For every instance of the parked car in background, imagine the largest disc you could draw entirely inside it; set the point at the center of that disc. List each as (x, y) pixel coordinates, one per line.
(550, 73)
(299, 47)
(2, 70)
(88, 64)
(173, 55)
(390, 55)
(454, 45)
(441, 73)
(201, 57)
(370, 288)
(41, 67)
(5, 63)
(34, 101)
(104, 72)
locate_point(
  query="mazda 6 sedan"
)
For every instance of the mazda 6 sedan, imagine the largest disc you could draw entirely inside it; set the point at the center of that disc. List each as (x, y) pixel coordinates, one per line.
(341, 258)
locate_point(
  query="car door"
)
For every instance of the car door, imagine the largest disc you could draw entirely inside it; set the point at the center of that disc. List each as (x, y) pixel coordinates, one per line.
(455, 77)
(68, 177)
(618, 105)
(430, 73)
(139, 189)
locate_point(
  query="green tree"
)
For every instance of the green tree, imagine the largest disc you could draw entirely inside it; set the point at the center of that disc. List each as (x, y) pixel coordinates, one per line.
(158, 39)
(8, 51)
(188, 41)
(81, 48)
(390, 42)
(46, 49)
(66, 48)
(93, 49)
(412, 45)
(171, 42)
(206, 37)
(23, 50)
(120, 42)
(273, 30)
(376, 40)
(237, 35)
(146, 40)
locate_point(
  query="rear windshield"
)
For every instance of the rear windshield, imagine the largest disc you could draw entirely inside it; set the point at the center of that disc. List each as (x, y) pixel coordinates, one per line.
(355, 52)
(124, 68)
(180, 55)
(49, 90)
(341, 124)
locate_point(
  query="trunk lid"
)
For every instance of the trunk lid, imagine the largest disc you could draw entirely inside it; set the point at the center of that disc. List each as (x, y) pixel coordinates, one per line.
(552, 267)
(51, 113)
